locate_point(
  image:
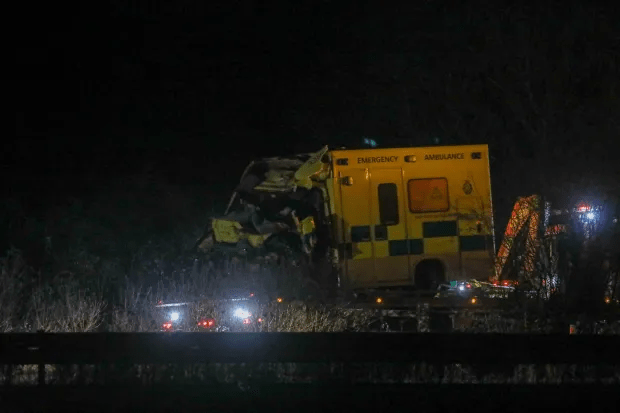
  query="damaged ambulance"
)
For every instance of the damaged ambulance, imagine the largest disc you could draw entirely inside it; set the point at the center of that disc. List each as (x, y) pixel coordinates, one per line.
(413, 217)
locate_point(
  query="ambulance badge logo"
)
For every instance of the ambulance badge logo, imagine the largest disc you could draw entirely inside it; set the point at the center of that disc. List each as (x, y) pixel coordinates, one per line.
(436, 194)
(467, 188)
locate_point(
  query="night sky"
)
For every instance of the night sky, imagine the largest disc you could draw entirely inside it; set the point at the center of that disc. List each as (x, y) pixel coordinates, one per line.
(199, 89)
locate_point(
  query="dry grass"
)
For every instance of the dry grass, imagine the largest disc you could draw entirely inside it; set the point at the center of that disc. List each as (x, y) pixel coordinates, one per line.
(301, 317)
(208, 291)
(71, 311)
(12, 282)
(139, 313)
(28, 303)
(62, 304)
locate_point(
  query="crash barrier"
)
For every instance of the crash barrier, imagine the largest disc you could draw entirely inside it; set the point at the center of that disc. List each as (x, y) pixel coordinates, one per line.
(255, 367)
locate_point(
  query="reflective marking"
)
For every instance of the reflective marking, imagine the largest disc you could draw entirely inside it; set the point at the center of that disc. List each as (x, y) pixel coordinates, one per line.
(360, 233)
(406, 247)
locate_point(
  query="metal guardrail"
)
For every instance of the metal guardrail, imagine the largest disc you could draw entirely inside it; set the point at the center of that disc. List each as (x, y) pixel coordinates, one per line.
(92, 348)
(90, 371)
(319, 397)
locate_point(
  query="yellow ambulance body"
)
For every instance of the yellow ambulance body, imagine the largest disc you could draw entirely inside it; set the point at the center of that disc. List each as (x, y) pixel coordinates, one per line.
(417, 216)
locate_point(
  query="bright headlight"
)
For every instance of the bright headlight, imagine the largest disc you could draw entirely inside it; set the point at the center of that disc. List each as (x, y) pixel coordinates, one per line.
(174, 316)
(241, 313)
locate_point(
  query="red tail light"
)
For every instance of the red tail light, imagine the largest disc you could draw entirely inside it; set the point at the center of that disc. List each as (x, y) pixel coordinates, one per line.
(247, 321)
(582, 207)
(167, 326)
(260, 320)
(507, 283)
(468, 285)
(209, 323)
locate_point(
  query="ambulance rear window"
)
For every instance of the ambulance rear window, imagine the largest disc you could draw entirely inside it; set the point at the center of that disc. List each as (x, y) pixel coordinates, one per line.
(388, 204)
(428, 195)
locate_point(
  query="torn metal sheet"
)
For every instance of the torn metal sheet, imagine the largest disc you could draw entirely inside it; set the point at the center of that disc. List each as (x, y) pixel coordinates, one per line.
(277, 206)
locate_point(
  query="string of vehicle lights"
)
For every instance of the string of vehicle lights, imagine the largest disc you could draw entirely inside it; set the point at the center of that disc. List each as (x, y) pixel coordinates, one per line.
(240, 313)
